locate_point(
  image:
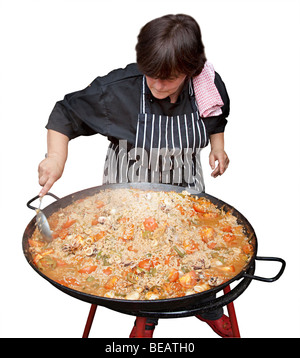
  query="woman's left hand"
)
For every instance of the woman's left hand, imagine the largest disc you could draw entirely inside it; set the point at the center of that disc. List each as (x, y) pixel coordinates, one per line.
(223, 161)
(218, 154)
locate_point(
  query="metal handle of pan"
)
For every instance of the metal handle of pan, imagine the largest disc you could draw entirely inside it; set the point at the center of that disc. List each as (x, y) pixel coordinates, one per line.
(37, 197)
(265, 279)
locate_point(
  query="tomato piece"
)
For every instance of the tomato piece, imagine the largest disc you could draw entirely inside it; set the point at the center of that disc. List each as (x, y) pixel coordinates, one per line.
(188, 280)
(207, 233)
(173, 275)
(68, 223)
(95, 222)
(211, 245)
(177, 288)
(229, 237)
(88, 269)
(131, 248)
(146, 264)
(111, 282)
(190, 246)
(247, 249)
(60, 262)
(99, 236)
(107, 271)
(129, 233)
(227, 228)
(150, 224)
(36, 243)
(62, 234)
(199, 208)
(71, 281)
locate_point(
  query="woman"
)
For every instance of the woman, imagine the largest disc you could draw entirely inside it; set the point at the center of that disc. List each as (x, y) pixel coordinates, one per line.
(157, 115)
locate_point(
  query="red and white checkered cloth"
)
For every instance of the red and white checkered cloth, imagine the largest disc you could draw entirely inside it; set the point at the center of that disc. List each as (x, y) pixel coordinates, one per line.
(207, 95)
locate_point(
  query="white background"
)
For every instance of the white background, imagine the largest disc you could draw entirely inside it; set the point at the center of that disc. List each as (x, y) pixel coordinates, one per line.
(50, 48)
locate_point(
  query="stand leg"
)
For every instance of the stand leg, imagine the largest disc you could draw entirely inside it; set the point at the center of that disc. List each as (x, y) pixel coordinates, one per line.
(232, 316)
(89, 321)
(140, 327)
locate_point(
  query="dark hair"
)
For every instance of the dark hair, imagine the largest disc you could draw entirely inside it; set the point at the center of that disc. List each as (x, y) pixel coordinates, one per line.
(170, 45)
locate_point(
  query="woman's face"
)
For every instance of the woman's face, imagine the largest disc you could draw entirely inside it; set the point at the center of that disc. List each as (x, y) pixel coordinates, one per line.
(166, 88)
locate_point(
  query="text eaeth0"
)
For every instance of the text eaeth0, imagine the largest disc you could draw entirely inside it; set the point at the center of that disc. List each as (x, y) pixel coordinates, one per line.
(174, 347)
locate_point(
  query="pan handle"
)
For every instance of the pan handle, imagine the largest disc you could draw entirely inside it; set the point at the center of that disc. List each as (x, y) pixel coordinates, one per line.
(36, 197)
(265, 279)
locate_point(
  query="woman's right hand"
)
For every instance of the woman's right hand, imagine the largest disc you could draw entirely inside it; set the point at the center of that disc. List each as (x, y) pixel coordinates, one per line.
(51, 168)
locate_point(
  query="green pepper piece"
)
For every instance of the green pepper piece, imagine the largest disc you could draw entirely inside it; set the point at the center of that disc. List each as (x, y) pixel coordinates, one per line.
(180, 253)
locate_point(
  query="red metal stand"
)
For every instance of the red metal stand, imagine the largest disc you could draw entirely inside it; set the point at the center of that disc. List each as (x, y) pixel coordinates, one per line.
(140, 327)
(232, 316)
(141, 321)
(89, 321)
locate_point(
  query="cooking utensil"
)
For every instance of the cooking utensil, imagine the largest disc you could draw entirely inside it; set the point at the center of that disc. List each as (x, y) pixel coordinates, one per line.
(43, 224)
(41, 219)
(173, 307)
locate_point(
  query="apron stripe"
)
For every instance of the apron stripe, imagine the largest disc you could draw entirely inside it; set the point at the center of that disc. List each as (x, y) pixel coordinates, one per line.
(194, 136)
(186, 133)
(157, 148)
(199, 133)
(180, 148)
(122, 160)
(166, 157)
(172, 136)
(137, 135)
(144, 139)
(179, 133)
(151, 143)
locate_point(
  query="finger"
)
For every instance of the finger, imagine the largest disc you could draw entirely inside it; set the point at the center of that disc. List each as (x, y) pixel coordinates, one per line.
(226, 164)
(46, 187)
(216, 172)
(41, 170)
(212, 162)
(221, 167)
(42, 180)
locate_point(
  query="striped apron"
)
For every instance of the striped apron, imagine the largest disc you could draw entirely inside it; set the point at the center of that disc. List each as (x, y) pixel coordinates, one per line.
(166, 150)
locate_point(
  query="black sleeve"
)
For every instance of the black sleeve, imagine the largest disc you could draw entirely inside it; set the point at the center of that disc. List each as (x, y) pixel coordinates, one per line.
(217, 124)
(75, 114)
(109, 106)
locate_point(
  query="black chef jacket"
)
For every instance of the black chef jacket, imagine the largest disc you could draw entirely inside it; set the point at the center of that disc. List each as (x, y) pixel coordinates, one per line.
(110, 106)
